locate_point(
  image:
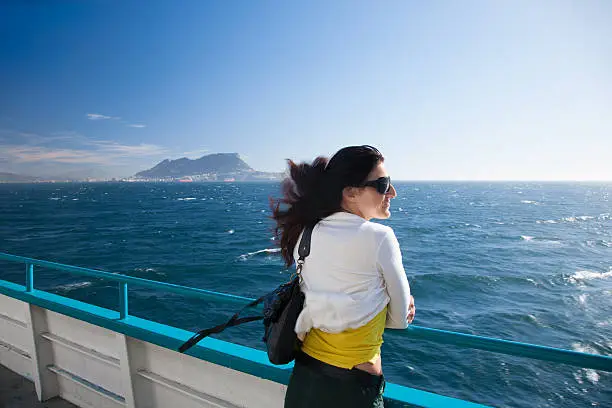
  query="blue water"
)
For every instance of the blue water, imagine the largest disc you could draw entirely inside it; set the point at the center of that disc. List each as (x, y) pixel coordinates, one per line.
(521, 261)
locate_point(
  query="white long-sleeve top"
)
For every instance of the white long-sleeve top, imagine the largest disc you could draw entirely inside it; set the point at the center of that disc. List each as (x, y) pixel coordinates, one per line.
(353, 271)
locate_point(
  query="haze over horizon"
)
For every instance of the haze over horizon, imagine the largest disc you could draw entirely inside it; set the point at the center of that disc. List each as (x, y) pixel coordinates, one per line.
(475, 90)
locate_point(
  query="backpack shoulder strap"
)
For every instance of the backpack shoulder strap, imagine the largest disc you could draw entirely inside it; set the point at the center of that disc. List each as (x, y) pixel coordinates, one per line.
(235, 320)
(304, 248)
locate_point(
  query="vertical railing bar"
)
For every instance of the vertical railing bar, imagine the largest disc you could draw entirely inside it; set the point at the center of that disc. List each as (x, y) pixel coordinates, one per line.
(123, 300)
(29, 277)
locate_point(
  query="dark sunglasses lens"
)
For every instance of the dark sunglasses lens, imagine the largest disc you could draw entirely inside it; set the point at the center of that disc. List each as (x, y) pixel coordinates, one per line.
(383, 185)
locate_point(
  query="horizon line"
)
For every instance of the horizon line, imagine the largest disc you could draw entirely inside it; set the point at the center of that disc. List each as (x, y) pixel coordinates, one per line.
(119, 179)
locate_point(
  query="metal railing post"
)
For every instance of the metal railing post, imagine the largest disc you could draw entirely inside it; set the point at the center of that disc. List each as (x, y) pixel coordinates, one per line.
(29, 277)
(123, 300)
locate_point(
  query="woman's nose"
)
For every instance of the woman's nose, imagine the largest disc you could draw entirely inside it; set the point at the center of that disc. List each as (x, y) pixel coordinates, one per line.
(392, 192)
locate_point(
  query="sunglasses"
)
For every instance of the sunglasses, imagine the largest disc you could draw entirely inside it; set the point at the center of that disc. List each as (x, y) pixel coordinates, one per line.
(382, 185)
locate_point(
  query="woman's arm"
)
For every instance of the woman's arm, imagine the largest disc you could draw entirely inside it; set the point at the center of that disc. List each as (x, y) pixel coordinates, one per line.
(389, 261)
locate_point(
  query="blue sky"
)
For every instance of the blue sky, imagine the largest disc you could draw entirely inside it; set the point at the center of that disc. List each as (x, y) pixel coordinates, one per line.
(471, 90)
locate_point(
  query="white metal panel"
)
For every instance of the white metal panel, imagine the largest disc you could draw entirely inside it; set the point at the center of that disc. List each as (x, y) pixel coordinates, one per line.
(83, 333)
(234, 387)
(15, 348)
(13, 321)
(82, 394)
(53, 338)
(13, 332)
(13, 308)
(16, 360)
(154, 394)
(184, 391)
(92, 369)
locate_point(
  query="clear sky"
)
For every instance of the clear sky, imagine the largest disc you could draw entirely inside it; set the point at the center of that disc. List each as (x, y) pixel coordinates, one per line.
(453, 90)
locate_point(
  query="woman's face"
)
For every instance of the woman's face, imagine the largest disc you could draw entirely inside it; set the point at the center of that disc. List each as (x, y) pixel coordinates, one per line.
(369, 203)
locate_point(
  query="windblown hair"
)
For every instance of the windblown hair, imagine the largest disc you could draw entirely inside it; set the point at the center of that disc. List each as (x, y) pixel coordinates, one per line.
(313, 191)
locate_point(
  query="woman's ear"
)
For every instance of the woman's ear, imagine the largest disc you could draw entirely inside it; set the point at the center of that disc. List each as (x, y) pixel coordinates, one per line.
(350, 193)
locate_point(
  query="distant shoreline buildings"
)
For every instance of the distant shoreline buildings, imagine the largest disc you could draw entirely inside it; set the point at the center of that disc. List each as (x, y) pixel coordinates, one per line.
(219, 167)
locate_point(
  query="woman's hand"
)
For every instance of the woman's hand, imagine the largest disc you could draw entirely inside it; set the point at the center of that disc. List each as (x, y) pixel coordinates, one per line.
(411, 310)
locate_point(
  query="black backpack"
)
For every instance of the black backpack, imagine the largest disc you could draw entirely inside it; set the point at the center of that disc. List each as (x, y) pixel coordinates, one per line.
(281, 308)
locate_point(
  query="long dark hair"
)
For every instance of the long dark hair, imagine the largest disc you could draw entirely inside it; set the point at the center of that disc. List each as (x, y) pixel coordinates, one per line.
(313, 191)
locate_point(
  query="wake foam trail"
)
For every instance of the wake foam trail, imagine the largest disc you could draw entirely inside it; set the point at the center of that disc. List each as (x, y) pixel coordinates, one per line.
(581, 276)
(145, 269)
(268, 251)
(72, 286)
(578, 218)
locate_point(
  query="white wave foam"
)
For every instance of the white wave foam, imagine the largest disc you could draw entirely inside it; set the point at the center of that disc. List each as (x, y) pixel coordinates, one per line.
(54, 198)
(244, 257)
(583, 348)
(578, 218)
(186, 199)
(145, 269)
(590, 375)
(581, 276)
(591, 243)
(467, 224)
(231, 231)
(529, 202)
(582, 299)
(542, 241)
(72, 286)
(546, 222)
(585, 373)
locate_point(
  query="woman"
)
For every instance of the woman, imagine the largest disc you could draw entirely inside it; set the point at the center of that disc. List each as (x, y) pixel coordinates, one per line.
(353, 279)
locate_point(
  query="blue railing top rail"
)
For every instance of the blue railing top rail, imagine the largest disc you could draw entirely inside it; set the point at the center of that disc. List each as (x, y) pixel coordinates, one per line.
(117, 277)
(514, 348)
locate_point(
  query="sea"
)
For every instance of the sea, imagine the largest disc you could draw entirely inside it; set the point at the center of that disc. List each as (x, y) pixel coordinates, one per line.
(529, 262)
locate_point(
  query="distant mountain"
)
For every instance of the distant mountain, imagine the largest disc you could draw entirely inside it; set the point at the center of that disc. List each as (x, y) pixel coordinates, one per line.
(217, 166)
(16, 178)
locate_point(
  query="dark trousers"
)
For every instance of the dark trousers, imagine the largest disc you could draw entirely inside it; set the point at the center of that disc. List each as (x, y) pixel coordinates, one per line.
(314, 383)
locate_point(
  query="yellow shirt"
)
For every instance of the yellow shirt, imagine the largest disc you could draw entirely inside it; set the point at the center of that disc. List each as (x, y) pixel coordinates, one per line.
(350, 347)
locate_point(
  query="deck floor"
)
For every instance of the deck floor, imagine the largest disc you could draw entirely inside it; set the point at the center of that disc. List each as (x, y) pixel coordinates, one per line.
(18, 392)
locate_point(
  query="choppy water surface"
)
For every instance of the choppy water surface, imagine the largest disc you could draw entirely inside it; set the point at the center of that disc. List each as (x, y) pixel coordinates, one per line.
(521, 261)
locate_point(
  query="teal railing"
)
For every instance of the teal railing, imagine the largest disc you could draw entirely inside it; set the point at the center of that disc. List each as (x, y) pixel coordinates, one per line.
(513, 348)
